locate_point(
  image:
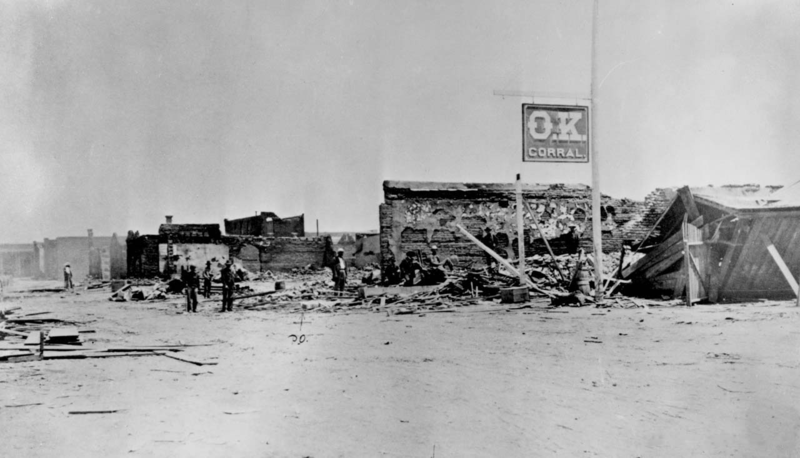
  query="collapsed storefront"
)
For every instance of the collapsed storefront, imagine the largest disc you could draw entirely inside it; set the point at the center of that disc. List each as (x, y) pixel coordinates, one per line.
(177, 246)
(733, 243)
(417, 215)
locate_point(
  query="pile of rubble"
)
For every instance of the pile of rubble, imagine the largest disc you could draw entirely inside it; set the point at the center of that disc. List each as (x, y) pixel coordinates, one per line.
(32, 337)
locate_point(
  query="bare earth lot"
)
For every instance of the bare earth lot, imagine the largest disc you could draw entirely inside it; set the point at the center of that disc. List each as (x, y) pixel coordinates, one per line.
(716, 380)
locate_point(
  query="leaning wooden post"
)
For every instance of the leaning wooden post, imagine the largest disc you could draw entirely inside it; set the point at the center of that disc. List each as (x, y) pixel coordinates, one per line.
(520, 233)
(546, 243)
(798, 297)
(500, 260)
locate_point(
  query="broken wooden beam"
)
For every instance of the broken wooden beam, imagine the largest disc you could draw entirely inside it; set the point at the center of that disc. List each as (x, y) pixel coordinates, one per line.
(196, 363)
(546, 243)
(13, 333)
(502, 261)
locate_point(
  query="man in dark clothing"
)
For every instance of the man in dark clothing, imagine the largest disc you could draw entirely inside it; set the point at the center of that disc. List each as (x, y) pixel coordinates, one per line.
(68, 285)
(339, 272)
(573, 239)
(490, 240)
(410, 269)
(192, 282)
(207, 276)
(228, 281)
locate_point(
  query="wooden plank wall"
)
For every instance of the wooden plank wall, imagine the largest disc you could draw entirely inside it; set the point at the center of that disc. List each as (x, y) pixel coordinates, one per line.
(754, 274)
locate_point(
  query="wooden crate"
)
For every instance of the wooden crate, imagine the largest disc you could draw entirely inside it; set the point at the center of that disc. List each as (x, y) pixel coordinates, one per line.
(514, 295)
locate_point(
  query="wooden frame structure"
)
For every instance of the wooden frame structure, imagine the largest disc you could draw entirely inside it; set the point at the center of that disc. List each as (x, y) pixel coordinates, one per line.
(707, 250)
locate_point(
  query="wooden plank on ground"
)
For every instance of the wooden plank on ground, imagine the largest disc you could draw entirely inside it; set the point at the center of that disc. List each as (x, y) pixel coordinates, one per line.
(13, 333)
(46, 347)
(196, 363)
(90, 412)
(372, 291)
(63, 334)
(152, 348)
(102, 354)
(34, 338)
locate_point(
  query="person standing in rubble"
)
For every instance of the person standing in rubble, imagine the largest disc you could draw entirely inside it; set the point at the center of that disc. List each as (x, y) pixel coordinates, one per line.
(339, 272)
(192, 282)
(68, 285)
(207, 276)
(573, 239)
(490, 240)
(228, 282)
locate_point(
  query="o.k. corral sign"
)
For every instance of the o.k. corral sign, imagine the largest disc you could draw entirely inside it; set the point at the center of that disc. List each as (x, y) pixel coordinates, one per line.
(555, 133)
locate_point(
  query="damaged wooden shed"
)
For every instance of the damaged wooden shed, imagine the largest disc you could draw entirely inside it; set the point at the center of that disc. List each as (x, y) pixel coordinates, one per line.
(722, 244)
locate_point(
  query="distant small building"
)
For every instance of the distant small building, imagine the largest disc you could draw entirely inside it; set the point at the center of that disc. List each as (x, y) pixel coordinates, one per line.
(19, 260)
(178, 246)
(267, 224)
(90, 257)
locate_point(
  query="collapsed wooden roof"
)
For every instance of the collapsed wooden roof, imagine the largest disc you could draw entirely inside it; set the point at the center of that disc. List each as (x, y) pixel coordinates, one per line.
(714, 245)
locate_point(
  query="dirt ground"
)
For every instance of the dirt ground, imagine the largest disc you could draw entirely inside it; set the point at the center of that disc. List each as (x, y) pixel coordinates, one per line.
(712, 380)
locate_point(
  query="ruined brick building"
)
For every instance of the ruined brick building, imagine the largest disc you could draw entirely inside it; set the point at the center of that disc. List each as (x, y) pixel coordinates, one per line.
(416, 215)
(267, 224)
(177, 246)
(89, 257)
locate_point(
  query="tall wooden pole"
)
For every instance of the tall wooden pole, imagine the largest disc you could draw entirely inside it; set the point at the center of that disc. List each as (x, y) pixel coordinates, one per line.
(520, 233)
(595, 159)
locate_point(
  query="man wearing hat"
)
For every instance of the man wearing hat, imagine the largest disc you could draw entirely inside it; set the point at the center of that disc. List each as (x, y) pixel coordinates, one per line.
(339, 271)
(192, 282)
(228, 281)
(68, 285)
(207, 276)
(573, 238)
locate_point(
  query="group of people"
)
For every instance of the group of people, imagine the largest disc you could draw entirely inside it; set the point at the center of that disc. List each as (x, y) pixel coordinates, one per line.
(431, 271)
(191, 280)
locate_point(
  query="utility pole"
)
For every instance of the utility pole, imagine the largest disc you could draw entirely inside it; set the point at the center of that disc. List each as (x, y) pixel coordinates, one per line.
(597, 232)
(520, 233)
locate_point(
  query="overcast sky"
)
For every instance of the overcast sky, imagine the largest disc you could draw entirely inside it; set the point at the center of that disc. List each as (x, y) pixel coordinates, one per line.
(114, 114)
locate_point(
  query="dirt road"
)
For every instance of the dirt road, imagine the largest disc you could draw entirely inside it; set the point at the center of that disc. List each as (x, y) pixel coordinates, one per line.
(716, 380)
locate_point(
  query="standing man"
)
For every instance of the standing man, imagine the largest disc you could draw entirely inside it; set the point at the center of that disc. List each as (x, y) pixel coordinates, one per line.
(228, 282)
(192, 282)
(68, 285)
(339, 272)
(207, 275)
(573, 239)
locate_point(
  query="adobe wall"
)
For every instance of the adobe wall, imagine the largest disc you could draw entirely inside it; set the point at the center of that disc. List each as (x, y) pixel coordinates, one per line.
(417, 215)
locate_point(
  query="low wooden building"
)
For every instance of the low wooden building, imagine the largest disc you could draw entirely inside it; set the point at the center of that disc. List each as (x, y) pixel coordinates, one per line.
(723, 244)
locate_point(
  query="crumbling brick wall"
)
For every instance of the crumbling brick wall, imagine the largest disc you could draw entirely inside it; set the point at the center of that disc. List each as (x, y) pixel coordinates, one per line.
(142, 255)
(259, 254)
(416, 215)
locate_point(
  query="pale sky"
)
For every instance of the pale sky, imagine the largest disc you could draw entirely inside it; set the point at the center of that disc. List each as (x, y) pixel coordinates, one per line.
(115, 114)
